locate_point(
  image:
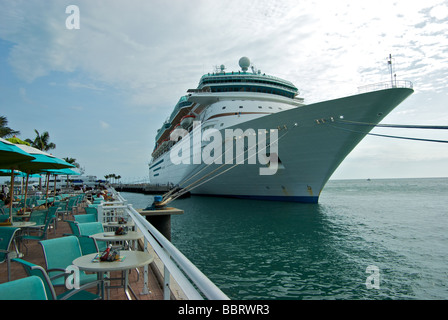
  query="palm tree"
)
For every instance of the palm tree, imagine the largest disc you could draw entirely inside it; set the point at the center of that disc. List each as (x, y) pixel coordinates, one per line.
(5, 131)
(72, 161)
(41, 141)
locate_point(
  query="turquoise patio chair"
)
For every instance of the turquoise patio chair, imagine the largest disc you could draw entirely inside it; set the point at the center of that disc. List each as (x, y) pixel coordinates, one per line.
(88, 245)
(91, 210)
(7, 235)
(73, 227)
(83, 218)
(91, 228)
(38, 233)
(81, 198)
(29, 288)
(67, 207)
(38, 216)
(59, 253)
(53, 211)
(61, 205)
(32, 269)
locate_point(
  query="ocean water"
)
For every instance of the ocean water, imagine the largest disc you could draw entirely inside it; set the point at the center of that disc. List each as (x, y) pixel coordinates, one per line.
(378, 239)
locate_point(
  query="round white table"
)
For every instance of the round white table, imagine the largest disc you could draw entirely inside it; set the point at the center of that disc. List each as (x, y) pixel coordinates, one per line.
(17, 238)
(112, 237)
(111, 226)
(132, 259)
(23, 224)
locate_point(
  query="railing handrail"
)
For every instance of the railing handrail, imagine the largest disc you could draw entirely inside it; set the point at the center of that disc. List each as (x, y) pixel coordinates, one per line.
(386, 85)
(180, 267)
(166, 250)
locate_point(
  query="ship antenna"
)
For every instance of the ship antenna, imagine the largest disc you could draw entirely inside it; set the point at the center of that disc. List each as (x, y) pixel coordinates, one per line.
(391, 68)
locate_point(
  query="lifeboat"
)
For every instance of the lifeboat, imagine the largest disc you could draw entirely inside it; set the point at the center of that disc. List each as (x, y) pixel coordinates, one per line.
(187, 121)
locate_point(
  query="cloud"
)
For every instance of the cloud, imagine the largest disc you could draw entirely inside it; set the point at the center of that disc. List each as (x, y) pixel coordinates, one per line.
(146, 54)
(77, 85)
(104, 125)
(439, 12)
(150, 47)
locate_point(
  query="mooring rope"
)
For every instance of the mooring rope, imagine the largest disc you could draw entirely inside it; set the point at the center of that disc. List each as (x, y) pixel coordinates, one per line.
(390, 126)
(401, 126)
(191, 186)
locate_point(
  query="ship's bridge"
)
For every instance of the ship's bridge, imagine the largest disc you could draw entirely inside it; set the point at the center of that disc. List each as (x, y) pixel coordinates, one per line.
(255, 81)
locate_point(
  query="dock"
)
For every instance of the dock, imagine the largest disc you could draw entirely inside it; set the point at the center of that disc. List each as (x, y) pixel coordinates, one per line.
(144, 188)
(151, 189)
(35, 255)
(171, 276)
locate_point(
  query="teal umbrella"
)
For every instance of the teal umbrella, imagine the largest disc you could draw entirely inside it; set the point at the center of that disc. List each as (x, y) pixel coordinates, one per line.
(42, 161)
(11, 155)
(64, 172)
(8, 172)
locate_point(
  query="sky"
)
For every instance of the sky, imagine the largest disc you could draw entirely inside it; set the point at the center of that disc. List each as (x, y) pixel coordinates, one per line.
(102, 90)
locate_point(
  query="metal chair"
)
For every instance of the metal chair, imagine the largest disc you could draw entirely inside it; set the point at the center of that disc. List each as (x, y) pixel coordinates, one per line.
(59, 253)
(41, 232)
(32, 269)
(83, 218)
(73, 227)
(91, 210)
(91, 228)
(29, 288)
(67, 207)
(7, 235)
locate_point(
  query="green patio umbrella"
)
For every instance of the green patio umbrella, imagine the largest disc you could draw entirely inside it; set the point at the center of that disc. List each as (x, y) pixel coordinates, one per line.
(10, 154)
(8, 172)
(10, 157)
(42, 161)
(64, 172)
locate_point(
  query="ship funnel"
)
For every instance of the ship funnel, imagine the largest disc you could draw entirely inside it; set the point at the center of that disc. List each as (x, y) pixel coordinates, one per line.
(244, 63)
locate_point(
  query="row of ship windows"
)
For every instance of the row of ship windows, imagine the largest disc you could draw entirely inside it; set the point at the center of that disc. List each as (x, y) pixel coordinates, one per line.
(243, 80)
(278, 92)
(259, 107)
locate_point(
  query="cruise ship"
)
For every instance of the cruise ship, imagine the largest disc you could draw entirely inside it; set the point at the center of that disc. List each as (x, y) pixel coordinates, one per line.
(303, 143)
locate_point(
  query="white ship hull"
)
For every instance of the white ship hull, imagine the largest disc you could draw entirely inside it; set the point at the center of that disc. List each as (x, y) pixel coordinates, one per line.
(313, 140)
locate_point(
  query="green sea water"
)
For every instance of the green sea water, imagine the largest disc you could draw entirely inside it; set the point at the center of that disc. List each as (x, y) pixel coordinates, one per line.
(396, 228)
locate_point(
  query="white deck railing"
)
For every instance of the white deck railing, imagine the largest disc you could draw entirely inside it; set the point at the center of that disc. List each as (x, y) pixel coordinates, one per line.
(386, 85)
(193, 283)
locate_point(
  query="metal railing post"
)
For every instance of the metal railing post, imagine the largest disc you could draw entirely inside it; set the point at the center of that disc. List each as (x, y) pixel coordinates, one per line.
(145, 289)
(166, 284)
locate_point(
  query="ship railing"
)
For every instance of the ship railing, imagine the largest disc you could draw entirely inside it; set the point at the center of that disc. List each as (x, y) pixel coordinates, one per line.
(191, 281)
(386, 85)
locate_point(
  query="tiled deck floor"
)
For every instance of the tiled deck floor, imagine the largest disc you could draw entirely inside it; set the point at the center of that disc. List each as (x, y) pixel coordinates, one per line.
(35, 255)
